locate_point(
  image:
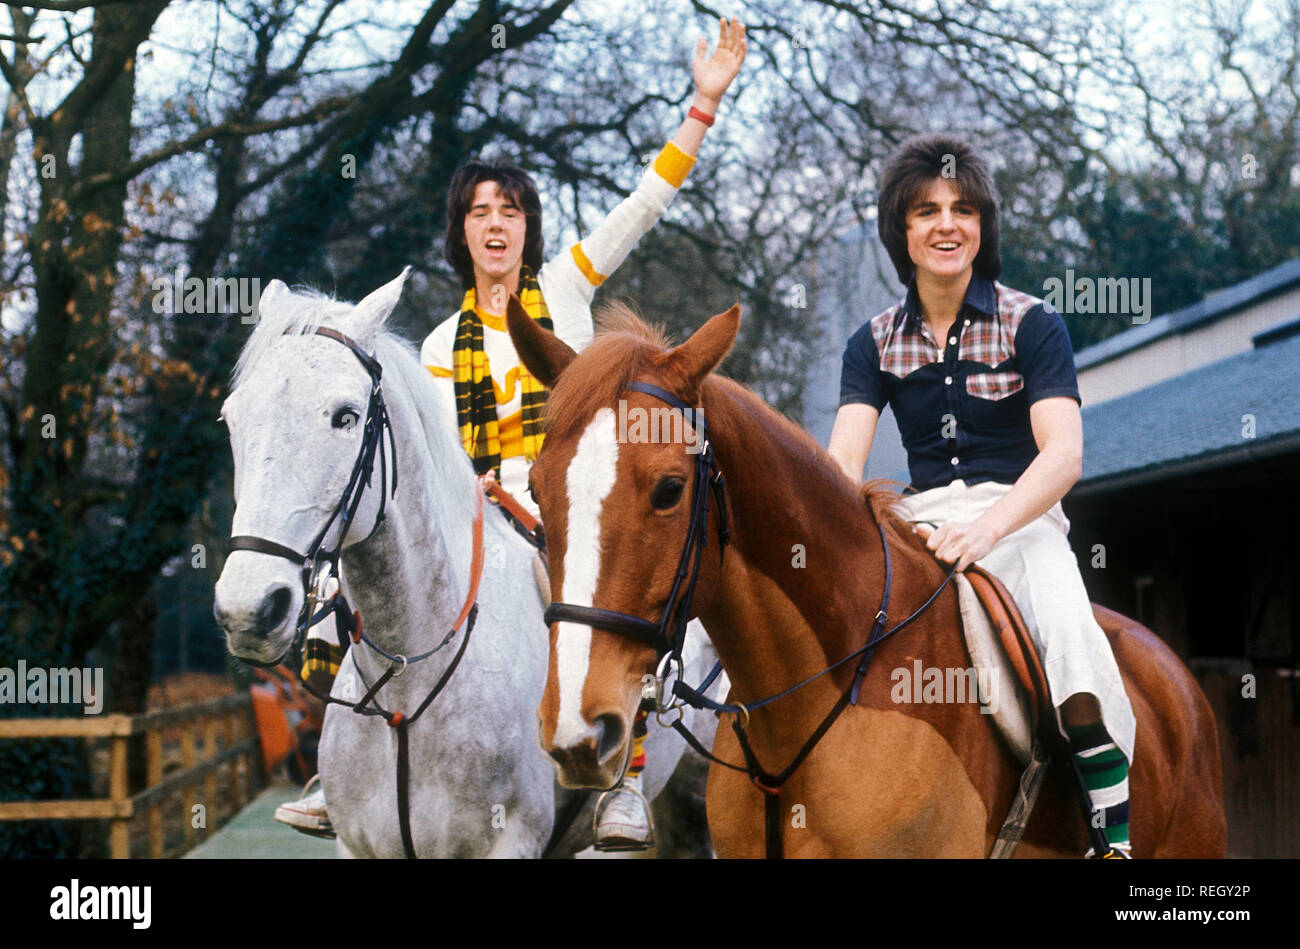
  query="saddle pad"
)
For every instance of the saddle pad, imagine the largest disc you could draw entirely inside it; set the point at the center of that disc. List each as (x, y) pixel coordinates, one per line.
(1010, 703)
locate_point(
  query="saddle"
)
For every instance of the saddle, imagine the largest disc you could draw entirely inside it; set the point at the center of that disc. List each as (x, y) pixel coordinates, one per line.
(987, 607)
(1018, 650)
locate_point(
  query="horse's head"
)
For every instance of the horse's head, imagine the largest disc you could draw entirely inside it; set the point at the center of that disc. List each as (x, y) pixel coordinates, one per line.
(614, 483)
(296, 414)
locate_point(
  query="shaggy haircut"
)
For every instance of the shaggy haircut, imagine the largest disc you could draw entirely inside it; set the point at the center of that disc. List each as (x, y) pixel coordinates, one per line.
(517, 187)
(906, 178)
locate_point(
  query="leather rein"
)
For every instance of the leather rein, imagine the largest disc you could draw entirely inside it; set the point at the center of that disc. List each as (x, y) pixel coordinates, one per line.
(668, 635)
(320, 566)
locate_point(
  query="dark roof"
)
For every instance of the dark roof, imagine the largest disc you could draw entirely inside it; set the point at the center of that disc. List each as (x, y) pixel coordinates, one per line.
(1197, 416)
(1216, 305)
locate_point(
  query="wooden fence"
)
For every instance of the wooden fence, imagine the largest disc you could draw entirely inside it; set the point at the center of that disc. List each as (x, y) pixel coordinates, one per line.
(227, 720)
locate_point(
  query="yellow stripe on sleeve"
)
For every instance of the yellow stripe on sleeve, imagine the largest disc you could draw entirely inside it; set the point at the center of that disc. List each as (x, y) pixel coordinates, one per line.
(593, 276)
(673, 165)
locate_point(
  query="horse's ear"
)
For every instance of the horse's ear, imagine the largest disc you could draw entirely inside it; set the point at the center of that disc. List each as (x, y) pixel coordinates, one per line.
(698, 356)
(543, 353)
(275, 290)
(370, 314)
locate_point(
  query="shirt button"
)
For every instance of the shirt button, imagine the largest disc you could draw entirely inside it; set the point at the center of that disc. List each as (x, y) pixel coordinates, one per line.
(954, 459)
(947, 380)
(952, 340)
(965, 323)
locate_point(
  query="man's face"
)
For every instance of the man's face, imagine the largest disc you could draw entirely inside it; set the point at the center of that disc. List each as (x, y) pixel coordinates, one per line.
(494, 233)
(943, 231)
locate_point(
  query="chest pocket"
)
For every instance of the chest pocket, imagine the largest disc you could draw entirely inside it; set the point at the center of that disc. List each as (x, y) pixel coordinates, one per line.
(994, 386)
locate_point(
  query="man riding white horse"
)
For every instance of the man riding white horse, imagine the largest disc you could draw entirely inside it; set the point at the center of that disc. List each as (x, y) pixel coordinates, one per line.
(494, 243)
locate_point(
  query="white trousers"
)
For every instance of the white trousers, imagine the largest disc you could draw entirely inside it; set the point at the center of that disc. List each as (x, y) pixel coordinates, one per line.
(1038, 567)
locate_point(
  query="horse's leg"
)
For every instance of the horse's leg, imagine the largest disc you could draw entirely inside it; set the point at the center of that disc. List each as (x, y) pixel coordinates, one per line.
(343, 852)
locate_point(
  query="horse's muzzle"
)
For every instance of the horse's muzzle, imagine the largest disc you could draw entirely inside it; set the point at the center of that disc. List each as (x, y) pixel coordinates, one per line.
(595, 759)
(256, 629)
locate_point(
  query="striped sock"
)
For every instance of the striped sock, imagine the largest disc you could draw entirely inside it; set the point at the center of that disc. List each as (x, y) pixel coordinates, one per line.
(1105, 774)
(639, 731)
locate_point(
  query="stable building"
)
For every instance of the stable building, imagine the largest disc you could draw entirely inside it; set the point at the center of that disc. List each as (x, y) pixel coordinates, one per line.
(1186, 517)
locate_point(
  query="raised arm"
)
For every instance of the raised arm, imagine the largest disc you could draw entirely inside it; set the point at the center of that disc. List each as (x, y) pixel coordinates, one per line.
(587, 264)
(713, 75)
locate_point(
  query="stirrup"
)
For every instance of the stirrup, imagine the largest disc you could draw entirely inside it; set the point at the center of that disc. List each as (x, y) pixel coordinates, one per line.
(621, 844)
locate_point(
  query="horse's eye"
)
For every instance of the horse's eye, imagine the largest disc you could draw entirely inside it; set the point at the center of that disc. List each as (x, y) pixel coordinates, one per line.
(345, 418)
(667, 493)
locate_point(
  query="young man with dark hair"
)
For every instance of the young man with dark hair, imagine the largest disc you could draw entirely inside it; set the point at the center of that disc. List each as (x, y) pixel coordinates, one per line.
(981, 378)
(494, 243)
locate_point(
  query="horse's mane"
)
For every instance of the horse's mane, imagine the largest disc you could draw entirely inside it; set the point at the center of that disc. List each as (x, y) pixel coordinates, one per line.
(622, 348)
(624, 345)
(302, 311)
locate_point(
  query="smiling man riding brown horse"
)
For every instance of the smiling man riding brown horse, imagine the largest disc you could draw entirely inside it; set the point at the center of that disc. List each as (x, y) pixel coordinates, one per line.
(981, 378)
(755, 530)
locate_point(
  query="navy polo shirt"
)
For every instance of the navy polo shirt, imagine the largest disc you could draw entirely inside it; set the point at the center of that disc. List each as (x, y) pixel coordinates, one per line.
(965, 415)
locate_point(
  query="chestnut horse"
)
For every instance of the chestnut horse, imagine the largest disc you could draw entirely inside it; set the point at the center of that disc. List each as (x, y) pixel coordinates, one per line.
(795, 590)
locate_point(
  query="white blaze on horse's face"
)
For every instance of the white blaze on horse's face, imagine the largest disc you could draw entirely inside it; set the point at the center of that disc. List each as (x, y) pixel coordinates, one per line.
(589, 480)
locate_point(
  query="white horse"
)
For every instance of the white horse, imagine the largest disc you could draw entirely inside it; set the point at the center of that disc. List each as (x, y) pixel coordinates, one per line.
(479, 784)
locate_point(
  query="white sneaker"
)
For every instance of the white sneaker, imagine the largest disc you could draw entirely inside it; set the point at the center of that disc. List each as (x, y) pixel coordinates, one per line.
(308, 814)
(622, 818)
(1116, 852)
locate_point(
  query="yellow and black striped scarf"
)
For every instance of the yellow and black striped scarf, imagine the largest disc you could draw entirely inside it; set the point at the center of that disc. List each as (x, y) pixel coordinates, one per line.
(476, 402)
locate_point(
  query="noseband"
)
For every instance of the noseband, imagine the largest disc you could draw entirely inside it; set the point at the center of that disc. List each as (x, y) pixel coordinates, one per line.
(667, 636)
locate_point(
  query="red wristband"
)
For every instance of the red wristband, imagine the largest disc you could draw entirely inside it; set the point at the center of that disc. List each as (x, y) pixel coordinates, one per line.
(702, 116)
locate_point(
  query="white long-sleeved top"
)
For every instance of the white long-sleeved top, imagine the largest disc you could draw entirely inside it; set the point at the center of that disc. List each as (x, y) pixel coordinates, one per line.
(568, 282)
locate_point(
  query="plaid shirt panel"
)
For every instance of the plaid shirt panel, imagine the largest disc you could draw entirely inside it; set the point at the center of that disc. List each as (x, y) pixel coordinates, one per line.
(905, 344)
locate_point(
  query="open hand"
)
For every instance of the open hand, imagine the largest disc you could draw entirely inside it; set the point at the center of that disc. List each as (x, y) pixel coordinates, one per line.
(713, 74)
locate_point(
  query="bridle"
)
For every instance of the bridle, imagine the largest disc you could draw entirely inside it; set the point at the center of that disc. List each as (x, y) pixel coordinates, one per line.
(320, 566)
(677, 612)
(668, 635)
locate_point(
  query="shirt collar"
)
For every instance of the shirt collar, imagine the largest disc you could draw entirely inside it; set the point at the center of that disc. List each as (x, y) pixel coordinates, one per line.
(981, 297)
